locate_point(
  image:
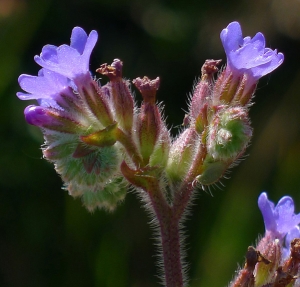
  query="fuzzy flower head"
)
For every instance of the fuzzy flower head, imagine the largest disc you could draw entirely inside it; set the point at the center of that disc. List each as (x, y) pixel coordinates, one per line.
(280, 219)
(248, 55)
(72, 108)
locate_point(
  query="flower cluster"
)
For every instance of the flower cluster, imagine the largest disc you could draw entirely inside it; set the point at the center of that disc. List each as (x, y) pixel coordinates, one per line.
(91, 129)
(100, 140)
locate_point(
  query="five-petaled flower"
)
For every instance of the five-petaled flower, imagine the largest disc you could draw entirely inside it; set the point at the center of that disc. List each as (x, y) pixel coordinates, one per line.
(248, 55)
(247, 61)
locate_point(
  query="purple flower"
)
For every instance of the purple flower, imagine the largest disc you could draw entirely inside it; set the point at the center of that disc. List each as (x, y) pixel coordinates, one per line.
(246, 55)
(280, 219)
(70, 61)
(65, 72)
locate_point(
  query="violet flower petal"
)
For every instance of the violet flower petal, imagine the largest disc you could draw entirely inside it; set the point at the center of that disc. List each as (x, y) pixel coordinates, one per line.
(78, 39)
(285, 217)
(47, 84)
(267, 209)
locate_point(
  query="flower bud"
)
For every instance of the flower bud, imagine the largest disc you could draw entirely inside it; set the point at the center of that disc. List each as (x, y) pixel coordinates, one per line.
(97, 102)
(159, 156)
(52, 119)
(229, 134)
(181, 154)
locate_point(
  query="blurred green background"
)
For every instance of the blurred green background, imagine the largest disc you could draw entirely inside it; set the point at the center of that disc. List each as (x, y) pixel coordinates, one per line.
(49, 239)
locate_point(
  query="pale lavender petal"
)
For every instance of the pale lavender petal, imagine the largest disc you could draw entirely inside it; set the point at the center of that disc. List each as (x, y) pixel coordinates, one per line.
(267, 68)
(284, 212)
(232, 37)
(46, 85)
(267, 209)
(258, 42)
(70, 61)
(78, 39)
(293, 233)
(90, 44)
(49, 53)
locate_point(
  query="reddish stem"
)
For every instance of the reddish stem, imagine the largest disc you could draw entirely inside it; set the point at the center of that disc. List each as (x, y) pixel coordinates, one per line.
(170, 237)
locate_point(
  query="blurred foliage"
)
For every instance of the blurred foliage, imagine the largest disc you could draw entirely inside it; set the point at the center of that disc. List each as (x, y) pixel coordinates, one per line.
(49, 239)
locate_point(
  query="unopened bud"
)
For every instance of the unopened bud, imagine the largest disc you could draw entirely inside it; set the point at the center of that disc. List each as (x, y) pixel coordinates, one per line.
(212, 171)
(52, 119)
(181, 154)
(159, 156)
(229, 134)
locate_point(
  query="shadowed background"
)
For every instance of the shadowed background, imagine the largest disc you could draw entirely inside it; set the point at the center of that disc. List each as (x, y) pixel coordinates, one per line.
(46, 237)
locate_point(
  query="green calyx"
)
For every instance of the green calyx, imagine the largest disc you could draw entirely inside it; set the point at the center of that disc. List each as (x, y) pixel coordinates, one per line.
(102, 138)
(229, 134)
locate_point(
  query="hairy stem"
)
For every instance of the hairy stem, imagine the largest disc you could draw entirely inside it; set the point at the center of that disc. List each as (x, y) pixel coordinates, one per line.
(170, 237)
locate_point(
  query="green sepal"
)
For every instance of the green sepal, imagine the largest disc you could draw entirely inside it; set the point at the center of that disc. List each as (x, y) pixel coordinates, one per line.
(212, 171)
(102, 138)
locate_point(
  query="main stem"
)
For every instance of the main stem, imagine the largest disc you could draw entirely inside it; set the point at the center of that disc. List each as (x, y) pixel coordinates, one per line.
(171, 249)
(170, 236)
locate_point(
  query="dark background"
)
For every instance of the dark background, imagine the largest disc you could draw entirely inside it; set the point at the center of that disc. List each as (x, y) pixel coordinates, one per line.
(46, 237)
